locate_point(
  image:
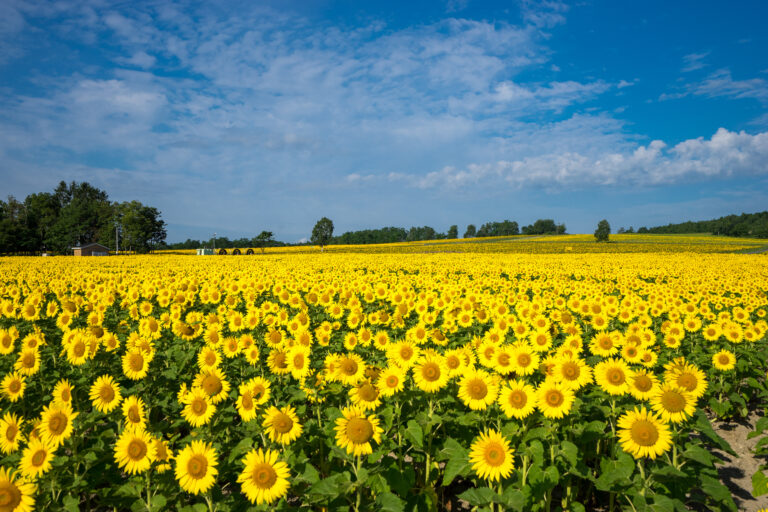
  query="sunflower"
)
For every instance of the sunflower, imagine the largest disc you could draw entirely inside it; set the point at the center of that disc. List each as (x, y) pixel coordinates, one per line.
(16, 493)
(213, 382)
(672, 403)
(554, 399)
(365, 395)
(163, 455)
(517, 399)
(198, 407)
(431, 374)
(491, 457)
(278, 362)
(503, 361)
(10, 432)
(282, 424)
(246, 407)
(208, 358)
(724, 360)
(196, 467)
(298, 359)
(7, 340)
(572, 372)
(13, 386)
(689, 378)
(643, 434)
(36, 459)
(260, 389)
(355, 431)
(350, 369)
(264, 478)
(604, 344)
(642, 384)
(478, 390)
(77, 350)
(403, 354)
(56, 423)
(135, 364)
(391, 380)
(134, 450)
(524, 360)
(133, 412)
(28, 362)
(105, 394)
(612, 376)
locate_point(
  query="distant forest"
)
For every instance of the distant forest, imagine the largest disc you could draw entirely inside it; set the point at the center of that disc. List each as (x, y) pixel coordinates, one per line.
(745, 225)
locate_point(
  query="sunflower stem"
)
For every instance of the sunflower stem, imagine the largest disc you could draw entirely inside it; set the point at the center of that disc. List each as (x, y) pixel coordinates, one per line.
(358, 490)
(149, 498)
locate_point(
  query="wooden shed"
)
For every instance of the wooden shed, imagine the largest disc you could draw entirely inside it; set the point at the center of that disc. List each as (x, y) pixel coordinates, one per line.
(91, 250)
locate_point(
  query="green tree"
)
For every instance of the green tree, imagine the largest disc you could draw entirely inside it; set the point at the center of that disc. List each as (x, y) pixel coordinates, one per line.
(322, 232)
(264, 238)
(85, 213)
(602, 231)
(142, 227)
(453, 232)
(470, 232)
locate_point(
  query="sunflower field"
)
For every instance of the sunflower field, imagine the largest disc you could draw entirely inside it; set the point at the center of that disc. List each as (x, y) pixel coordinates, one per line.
(400, 381)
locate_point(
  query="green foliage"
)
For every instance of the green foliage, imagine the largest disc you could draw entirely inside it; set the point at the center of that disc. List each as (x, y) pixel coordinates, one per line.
(471, 231)
(744, 225)
(453, 232)
(505, 228)
(602, 231)
(322, 232)
(544, 227)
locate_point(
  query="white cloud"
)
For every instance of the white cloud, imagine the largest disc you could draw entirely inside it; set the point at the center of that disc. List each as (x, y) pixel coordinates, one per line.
(722, 84)
(694, 61)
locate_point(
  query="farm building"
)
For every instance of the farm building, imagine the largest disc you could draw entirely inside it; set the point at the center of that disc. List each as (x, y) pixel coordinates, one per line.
(91, 250)
(205, 252)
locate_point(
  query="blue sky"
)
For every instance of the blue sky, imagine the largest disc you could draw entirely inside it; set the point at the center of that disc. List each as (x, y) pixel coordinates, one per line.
(236, 117)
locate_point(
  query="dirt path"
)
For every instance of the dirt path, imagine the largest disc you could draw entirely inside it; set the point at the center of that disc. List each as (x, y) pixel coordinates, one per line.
(736, 472)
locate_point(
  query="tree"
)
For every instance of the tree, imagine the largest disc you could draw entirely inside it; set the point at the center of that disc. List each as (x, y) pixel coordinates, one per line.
(602, 231)
(470, 232)
(142, 227)
(264, 238)
(453, 232)
(322, 232)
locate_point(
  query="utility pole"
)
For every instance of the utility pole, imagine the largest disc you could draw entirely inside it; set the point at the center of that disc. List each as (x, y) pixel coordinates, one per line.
(214, 243)
(117, 241)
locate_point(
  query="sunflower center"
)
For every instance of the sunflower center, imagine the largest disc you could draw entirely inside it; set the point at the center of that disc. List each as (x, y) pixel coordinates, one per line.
(79, 349)
(518, 399)
(359, 430)
(430, 372)
(210, 359)
(494, 454)
(452, 362)
(523, 360)
(66, 395)
(97, 331)
(298, 361)
(137, 449)
(264, 476)
(673, 401)
(723, 359)
(247, 401)
(631, 351)
(644, 433)
(606, 343)
(133, 415)
(197, 466)
(554, 398)
(643, 383)
(10, 496)
(136, 361)
(282, 423)
(106, 393)
(367, 392)
(199, 406)
(688, 381)
(503, 359)
(615, 376)
(571, 370)
(258, 391)
(57, 423)
(14, 386)
(6, 341)
(28, 361)
(406, 353)
(349, 367)
(392, 381)
(477, 389)
(10, 432)
(38, 458)
(212, 385)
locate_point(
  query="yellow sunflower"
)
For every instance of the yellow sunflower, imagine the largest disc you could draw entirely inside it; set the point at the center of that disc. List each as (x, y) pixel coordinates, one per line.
(36, 459)
(10, 432)
(350, 369)
(246, 406)
(524, 360)
(688, 377)
(365, 395)
(16, 494)
(554, 399)
(213, 382)
(282, 425)
(198, 407)
(643, 434)
(391, 380)
(13, 386)
(355, 431)
(133, 412)
(431, 373)
(491, 457)
(135, 364)
(298, 359)
(134, 450)
(105, 394)
(642, 384)
(724, 360)
(196, 467)
(56, 423)
(571, 372)
(264, 478)
(612, 375)
(517, 399)
(672, 403)
(478, 390)
(260, 390)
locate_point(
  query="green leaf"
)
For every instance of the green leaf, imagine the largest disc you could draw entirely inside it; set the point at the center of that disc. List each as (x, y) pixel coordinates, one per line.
(577, 507)
(401, 481)
(331, 487)
(478, 497)
(71, 504)
(388, 502)
(453, 449)
(759, 484)
(713, 488)
(698, 454)
(414, 434)
(705, 427)
(456, 467)
(513, 498)
(536, 433)
(537, 451)
(615, 472)
(310, 474)
(570, 452)
(158, 502)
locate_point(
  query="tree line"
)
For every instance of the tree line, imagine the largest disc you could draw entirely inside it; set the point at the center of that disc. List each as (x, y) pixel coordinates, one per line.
(76, 214)
(744, 225)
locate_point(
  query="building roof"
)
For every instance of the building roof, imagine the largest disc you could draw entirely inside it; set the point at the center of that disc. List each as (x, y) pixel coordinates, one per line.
(91, 246)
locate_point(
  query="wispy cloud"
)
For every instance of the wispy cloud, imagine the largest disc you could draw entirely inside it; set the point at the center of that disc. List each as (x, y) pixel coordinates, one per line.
(694, 61)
